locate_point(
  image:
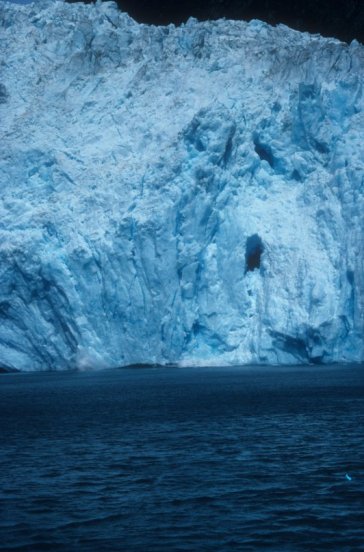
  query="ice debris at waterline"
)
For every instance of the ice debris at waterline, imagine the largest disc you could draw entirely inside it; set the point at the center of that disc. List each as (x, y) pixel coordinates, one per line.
(177, 195)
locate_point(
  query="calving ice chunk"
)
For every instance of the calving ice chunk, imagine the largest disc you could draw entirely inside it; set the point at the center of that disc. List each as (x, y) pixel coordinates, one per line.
(189, 194)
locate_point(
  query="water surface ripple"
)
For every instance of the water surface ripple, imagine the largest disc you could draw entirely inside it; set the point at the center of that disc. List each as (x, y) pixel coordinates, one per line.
(165, 459)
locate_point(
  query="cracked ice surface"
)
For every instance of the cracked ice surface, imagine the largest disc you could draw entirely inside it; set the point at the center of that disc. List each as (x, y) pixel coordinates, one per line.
(135, 164)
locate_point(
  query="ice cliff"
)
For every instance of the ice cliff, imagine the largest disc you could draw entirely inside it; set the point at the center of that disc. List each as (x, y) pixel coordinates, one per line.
(189, 194)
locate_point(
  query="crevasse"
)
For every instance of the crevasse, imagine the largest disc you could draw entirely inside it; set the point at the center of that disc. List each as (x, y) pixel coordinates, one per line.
(188, 195)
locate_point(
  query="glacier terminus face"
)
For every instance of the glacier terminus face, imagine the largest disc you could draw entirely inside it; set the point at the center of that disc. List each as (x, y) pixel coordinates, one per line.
(185, 195)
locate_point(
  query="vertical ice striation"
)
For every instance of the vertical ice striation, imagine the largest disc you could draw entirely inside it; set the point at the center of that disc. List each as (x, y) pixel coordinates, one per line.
(177, 195)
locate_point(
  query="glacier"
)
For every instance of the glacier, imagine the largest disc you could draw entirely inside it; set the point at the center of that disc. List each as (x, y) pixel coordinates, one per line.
(177, 195)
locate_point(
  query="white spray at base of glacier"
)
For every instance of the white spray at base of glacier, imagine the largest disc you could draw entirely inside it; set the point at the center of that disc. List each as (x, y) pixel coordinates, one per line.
(137, 166)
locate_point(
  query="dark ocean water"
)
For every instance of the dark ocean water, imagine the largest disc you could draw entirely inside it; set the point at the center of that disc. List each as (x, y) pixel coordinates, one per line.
(204, 459)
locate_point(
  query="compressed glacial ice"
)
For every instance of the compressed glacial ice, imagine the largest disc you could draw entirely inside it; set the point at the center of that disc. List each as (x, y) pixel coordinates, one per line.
(189, 195)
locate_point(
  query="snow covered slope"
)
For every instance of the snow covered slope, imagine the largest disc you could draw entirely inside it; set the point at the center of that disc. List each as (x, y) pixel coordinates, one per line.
(177, 195)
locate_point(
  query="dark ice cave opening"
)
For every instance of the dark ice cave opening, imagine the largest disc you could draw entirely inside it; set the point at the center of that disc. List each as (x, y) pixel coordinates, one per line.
(253, 251)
